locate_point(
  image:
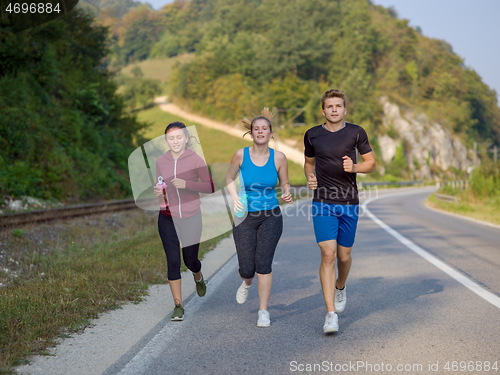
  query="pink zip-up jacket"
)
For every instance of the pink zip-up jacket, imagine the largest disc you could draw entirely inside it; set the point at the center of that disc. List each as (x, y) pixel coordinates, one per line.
(183, 203)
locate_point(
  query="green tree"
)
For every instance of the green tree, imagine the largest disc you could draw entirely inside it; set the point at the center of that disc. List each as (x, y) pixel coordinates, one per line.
(140, 92)
(63, 131)
(286, 53)
(142, 29)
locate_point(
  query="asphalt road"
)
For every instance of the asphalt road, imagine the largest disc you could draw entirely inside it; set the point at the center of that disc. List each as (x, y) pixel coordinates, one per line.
(404, 315)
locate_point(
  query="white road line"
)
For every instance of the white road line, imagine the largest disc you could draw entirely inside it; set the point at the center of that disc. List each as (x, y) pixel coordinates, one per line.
(153, 349)
(469, 284)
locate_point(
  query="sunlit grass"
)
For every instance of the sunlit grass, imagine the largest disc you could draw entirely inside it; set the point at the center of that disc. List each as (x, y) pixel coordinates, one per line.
(488, 211)
(158, 69)
(63, 281)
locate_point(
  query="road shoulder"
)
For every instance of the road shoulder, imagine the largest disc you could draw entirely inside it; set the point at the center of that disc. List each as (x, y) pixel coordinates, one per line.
(116, 333)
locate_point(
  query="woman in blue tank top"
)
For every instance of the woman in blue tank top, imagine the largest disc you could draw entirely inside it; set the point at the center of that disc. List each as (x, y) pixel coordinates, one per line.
(256, 235)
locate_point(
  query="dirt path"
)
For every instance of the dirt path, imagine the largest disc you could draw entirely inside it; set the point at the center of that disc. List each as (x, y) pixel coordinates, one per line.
(291, 153)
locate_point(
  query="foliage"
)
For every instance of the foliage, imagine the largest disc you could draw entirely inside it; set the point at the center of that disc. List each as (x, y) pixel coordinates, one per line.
(398, 165)
(177, 38)
(284, 54)
(478, 197)
(137, 91)
(141, 27)
(111, 8)
(485, 180)
(63, 130)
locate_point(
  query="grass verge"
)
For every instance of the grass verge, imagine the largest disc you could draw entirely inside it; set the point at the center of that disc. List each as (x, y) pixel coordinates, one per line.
(478, 197)
(57, 277)
(484, 211)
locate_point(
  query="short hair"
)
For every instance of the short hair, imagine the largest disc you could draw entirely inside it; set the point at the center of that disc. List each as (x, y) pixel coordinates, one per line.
(333, 93)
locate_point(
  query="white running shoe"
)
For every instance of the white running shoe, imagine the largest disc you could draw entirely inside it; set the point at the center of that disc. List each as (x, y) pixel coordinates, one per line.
(264, 320)
(242, 292)
(331, 323)
(340, 299)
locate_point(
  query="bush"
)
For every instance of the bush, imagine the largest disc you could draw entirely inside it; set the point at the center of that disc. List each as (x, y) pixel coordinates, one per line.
(484, 181)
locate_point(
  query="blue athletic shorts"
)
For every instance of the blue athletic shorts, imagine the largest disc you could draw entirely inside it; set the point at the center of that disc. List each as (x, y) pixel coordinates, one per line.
(335, 222)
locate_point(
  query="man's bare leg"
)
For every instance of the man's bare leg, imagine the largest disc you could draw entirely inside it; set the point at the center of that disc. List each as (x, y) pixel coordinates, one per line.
(327, 272)
(344, 261)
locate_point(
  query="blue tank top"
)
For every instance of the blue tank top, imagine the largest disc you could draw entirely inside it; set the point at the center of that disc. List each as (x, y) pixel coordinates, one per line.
(259, 182)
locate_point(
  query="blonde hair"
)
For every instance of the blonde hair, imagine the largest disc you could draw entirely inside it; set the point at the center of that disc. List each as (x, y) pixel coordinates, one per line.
(266, 114)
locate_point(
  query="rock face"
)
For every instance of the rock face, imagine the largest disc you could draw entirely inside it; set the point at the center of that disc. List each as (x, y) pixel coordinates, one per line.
(426, 145)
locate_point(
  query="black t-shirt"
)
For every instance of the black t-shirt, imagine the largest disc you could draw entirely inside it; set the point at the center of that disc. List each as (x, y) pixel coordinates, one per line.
(334, 185)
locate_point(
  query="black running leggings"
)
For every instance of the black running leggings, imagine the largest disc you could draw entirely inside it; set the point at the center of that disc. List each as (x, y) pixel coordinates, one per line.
(171, 243)
(256, 239)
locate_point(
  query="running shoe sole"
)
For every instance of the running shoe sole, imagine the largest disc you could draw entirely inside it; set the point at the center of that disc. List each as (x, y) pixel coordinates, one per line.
(330, 329)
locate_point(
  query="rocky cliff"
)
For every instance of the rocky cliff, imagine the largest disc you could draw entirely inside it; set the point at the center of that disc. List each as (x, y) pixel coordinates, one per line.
(427, 145)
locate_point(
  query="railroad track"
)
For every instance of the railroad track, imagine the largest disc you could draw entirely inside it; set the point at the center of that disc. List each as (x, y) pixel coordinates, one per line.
(29, 217)
(23, 218)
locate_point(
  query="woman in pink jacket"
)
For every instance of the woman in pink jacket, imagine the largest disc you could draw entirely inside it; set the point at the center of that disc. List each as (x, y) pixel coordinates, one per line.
(186, 175)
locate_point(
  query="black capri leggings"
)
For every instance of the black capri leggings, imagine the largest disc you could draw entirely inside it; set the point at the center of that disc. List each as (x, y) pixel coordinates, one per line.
(171, 243)
(256, 239)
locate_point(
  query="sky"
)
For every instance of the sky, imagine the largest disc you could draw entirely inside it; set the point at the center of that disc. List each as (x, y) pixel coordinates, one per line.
(471, 27)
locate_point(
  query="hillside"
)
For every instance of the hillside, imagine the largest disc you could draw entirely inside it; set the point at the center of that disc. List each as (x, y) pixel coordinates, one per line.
(285, 54)
(64, 133)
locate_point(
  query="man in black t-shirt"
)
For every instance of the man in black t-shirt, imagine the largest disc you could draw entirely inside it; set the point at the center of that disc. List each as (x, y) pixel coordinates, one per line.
(330, 166)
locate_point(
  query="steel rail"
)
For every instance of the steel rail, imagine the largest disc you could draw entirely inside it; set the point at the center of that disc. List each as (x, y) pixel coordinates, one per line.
(29, 217)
